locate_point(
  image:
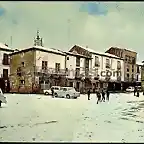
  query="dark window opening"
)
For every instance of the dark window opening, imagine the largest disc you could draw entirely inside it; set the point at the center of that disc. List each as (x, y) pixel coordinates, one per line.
(67, 58)
(5, 60)
(5, 73)
(44, 65)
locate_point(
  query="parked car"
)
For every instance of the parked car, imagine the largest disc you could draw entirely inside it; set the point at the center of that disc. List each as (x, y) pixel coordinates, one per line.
(130, 89)
(2, 98)
(67, 92)
(49, 91)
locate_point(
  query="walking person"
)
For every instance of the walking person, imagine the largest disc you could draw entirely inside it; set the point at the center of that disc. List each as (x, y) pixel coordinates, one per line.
(98, 96)
(103, 96)
(88, 94)
(107, 93)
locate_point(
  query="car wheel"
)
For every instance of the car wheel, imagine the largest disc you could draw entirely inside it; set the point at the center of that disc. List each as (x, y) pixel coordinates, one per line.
(46, 93)
(75, 97)
(68, 96)
(56, 95)
(0, 103)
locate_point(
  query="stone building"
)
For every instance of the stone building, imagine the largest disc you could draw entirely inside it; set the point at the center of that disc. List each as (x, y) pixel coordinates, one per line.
(130, 58)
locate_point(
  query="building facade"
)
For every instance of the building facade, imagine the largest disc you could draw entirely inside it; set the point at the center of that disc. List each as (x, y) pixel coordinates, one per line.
(76, 66)
(130, 66)
(4, 66)
(138, 74)
(36, 68)
(105, 70)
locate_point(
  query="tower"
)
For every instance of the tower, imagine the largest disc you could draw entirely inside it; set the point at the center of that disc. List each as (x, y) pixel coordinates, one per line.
(38, 40)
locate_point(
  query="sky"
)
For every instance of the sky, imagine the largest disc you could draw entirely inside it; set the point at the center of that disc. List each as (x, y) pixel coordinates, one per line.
(98, 25)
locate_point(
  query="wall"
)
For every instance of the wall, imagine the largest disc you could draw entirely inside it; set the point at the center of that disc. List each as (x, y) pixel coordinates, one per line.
(51, 58)
(28, 59)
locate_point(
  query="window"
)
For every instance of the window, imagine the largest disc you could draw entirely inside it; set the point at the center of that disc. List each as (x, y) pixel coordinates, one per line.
(133, 60)
(137, 77)
(19, 71)
(77, 61)
(118, 65)
(5, 73)
(96, 61)
(57, 67)
(77, 74)
(22, 82)
(138, 70)
(107, 63)
(5, 59)
(127, 75)
(87, 63)
(127, 69)
(44, 65)
(67, 58)
(22, 63)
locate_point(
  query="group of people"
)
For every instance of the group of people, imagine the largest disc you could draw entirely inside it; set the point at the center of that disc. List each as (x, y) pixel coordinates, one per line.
(100, 95)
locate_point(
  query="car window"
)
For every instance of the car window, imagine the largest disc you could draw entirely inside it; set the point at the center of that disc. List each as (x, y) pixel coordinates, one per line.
(56, 88)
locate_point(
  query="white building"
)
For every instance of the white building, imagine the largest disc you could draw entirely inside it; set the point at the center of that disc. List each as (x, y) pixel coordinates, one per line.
(75, 67)
(4, 60)
(101, 65)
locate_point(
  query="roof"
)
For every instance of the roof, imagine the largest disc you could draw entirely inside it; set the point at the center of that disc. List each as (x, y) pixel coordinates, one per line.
(99, 53)
(40, 48)
(139, 63)
(130, 50)
(5, 48)
(76, 54)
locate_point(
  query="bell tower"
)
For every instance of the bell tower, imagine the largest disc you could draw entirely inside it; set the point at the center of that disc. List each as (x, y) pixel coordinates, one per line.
(38, 41)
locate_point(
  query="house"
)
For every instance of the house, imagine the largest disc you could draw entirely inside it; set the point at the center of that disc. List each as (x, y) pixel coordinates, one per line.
(36, 68)
(102, 63)
(129, 57)
(76, 65)
(4, 66)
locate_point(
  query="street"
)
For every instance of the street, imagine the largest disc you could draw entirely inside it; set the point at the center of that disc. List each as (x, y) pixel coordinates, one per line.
(42, 118)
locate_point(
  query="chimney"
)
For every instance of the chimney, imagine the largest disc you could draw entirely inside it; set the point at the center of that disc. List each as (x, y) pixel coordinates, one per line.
(87, 46)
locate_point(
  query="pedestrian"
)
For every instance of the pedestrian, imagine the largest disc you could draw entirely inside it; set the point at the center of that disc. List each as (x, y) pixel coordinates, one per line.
(52, 90)
(137, 93)
(107, 93)
(103, 96)
(98, 96)
(88, 94)
(134, 91)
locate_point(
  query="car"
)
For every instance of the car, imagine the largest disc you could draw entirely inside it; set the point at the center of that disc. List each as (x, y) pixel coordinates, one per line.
(67, 92)
(130, 89)
(2, 98)
(49, 91)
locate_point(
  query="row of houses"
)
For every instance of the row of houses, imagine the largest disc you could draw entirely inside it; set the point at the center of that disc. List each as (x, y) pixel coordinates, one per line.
(36, 68)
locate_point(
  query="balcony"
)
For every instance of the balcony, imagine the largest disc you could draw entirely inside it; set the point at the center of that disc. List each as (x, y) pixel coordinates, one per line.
(50, 71)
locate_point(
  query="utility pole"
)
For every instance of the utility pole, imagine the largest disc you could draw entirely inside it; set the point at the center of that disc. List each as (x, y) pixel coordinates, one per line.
(68, 34)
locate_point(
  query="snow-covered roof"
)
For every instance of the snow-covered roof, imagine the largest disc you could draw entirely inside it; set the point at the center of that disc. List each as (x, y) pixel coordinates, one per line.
(100, 53)
(3, 46)
(76, 54)
(43, 48)
(139, 63)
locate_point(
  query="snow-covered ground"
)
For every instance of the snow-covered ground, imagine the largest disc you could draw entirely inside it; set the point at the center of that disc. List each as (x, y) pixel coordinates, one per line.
(42, 118)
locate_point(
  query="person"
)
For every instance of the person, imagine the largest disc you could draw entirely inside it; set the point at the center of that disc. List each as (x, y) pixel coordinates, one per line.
(98, 96)
(88, 94)
(107, 93)
(134, 91)
(52, 90)
(103, 96)
(137, 93)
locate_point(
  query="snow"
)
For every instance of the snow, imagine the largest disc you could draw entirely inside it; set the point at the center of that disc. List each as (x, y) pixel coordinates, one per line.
(4, 46)
(44, 48)
(42, 118)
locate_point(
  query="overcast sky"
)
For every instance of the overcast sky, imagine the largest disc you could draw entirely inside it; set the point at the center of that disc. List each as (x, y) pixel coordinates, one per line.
(98, 25)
